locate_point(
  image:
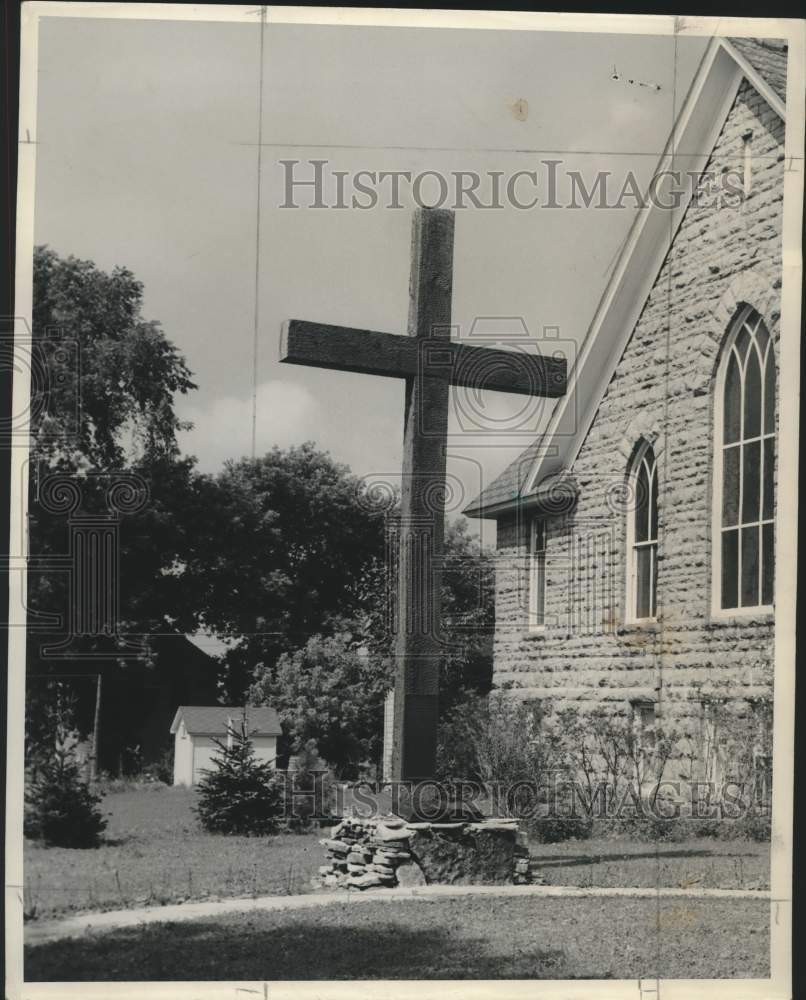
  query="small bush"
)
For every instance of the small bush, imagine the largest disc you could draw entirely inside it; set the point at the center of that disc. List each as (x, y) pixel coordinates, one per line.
(652, 829)
(617, 768)
(309, 792)
(754, 826)
(108, 784)
(496, 739)
(240, 795)
(60, 808)
(560, 817)
(162, 769)
(556, 829)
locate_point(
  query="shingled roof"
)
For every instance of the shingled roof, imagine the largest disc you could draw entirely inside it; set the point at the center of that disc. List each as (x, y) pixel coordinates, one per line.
(768, 57)
(763, 62)
(556, 490)
(212, 720)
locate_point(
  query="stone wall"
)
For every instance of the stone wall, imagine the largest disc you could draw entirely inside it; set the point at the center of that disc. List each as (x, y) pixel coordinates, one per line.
(373, 854)
(662, 390)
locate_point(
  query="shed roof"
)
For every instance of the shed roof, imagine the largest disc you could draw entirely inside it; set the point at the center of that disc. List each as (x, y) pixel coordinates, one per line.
(213, 720)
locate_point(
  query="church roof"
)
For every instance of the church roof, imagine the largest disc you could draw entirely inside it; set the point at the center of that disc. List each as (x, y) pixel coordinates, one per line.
(555, 494)
(768, 57)
(726, 63)
(213, 720)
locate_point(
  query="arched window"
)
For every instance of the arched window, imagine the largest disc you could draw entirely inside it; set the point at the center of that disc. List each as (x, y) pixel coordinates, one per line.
(744, 463)
(642, 537)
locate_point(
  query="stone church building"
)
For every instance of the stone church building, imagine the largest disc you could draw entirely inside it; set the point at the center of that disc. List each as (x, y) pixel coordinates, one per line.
(636, 537)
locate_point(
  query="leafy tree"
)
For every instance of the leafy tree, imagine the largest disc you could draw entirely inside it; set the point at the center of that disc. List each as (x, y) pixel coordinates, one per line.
(296, 533)
(240, 794)
(118, 397)
(468, 613)
(271, 552)
(106, 408)
(309, 789)
(468, 616)
(111, 412)
(331, 691)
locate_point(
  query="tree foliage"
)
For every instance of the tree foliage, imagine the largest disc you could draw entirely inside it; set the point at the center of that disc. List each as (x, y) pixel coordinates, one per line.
(240, 794)
(60, 808)
(297, 533)
(332, 691)
(110, 412)
(285, 554)
(468, 616)
(468, 612)
(118, 396)
(103, 411)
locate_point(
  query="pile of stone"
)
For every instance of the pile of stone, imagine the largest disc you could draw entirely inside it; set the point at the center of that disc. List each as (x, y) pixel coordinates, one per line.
(387, 852)
(366, 854)
(525, 871)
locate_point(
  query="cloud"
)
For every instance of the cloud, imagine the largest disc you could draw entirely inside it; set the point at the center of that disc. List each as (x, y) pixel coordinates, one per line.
(287, 414)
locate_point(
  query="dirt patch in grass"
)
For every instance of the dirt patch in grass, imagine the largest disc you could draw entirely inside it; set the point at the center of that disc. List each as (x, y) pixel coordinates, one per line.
(155, 852)
(461, 938)
(702, 863)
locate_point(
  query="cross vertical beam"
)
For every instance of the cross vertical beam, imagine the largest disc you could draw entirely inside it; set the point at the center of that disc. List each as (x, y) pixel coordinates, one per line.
(422, 507)
(430, 363)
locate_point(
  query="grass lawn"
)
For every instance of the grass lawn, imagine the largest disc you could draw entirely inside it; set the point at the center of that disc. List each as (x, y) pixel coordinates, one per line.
(705, 863)
(461, 938)
(155, 852)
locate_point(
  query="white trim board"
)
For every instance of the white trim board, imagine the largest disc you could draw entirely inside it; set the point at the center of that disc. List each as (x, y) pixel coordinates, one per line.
(690, 145)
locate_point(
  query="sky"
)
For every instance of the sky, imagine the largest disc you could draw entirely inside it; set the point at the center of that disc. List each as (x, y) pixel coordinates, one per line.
(147, 157)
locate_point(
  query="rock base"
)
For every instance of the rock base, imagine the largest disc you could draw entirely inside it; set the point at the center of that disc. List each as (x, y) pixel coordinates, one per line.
(387, 852)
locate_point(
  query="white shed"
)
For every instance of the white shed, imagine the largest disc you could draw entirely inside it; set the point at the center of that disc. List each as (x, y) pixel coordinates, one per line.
(196, 728)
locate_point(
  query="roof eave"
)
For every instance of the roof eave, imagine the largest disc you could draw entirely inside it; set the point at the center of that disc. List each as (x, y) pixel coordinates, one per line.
(177, 720)
(540, 499)
(494, 510)
(220, 733)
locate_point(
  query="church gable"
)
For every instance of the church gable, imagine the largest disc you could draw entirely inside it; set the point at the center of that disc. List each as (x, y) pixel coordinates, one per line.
(725, 254)
(597, 634)
(726, 76)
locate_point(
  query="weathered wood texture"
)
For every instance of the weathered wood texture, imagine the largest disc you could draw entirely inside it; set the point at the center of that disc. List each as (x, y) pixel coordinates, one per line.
(422, 507)
(430, 363)
(342, 348)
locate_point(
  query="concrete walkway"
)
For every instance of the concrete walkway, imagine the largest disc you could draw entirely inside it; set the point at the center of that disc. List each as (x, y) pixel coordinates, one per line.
(40, 931)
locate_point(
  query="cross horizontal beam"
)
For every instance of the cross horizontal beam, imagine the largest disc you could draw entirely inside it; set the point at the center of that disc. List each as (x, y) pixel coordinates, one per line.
(320, 345)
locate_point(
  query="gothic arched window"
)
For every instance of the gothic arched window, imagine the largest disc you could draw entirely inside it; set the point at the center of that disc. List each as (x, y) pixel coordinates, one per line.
(744, 463)
(642, 537)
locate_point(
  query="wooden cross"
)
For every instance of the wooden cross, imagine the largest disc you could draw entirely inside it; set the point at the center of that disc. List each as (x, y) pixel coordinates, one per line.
(430, 363)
